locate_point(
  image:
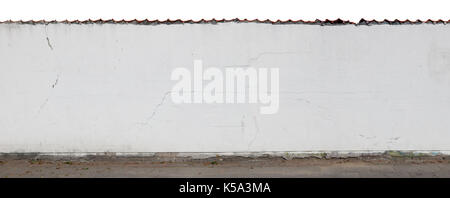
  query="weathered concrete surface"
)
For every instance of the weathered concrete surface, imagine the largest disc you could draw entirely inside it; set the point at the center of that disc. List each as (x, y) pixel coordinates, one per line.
(103, 88)
(381, 166)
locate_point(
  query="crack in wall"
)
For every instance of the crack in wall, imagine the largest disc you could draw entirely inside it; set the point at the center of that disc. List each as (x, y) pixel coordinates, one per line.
(258, 56)
(48, 39)
(56, 81)
(256, 132)
(251, 60)
(42, 106)
(243, 124)
(49, 44)
(155, 109)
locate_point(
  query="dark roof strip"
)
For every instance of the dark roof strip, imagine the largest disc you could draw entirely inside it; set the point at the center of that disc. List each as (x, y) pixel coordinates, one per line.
(215, 21)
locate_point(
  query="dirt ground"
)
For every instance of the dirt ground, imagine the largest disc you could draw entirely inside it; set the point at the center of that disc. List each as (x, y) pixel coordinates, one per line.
(109, 166)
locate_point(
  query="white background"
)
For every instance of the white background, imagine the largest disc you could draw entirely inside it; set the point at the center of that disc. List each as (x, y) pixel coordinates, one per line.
(352, 10)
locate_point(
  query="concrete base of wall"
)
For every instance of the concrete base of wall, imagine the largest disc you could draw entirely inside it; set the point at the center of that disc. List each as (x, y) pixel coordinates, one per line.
(177, 156)
(390, 164)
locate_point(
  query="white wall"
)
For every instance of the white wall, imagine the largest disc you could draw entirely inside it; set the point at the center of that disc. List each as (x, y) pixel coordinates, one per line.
(95, 88)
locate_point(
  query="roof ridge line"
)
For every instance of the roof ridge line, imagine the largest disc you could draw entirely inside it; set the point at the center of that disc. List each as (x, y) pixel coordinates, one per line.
(236, 20)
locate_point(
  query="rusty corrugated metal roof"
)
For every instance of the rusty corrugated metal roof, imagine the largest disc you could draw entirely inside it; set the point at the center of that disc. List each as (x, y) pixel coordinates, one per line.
(215, 21)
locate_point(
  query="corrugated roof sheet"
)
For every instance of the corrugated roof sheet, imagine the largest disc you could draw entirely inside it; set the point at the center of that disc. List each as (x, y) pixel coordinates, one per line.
(215, 21)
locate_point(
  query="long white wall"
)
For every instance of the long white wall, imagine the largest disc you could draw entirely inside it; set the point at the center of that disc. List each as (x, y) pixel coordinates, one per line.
(106, 88)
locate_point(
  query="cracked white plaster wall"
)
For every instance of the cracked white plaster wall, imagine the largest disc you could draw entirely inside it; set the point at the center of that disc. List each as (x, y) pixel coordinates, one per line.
(105, 88)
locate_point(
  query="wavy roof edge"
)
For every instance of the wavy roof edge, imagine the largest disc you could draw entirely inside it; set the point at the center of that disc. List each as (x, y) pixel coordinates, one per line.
(215, 21)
